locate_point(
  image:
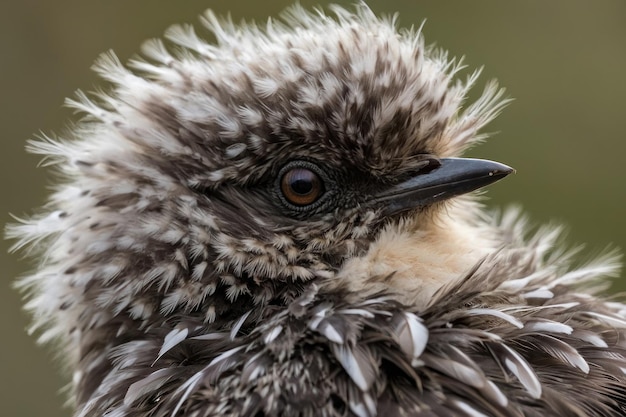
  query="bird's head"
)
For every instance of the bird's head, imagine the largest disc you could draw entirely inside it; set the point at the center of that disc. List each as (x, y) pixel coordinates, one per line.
(230, 175)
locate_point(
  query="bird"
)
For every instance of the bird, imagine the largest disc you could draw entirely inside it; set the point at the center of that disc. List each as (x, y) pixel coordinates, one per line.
(280, 222)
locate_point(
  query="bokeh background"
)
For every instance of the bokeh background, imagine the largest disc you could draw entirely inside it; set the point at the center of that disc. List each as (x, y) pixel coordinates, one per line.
(564, 62)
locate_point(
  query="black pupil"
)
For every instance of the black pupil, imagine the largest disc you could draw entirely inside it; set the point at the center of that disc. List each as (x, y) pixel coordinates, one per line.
(302, 182)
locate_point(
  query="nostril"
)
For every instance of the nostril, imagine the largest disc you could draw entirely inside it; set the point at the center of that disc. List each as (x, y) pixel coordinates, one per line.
(427, 164)
(432, 163)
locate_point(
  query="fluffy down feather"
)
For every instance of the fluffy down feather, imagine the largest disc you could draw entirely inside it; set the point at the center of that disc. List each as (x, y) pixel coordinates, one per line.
(174, 284)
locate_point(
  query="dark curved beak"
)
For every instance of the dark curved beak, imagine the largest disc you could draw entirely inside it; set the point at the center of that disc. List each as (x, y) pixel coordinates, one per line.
(453, 177)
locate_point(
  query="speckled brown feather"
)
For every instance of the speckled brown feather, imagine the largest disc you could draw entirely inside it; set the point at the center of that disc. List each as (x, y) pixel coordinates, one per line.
(175, 282)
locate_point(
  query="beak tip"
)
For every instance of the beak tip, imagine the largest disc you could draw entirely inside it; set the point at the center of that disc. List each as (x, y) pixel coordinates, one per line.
(500, 170)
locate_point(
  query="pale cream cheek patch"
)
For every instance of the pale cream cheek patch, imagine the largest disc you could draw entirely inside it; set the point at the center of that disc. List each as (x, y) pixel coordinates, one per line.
(416, 260)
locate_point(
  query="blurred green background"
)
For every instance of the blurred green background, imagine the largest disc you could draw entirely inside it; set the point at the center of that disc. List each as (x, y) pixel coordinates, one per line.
(563, 61)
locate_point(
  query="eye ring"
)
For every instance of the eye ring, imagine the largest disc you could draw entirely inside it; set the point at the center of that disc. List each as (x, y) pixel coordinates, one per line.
(302, 186)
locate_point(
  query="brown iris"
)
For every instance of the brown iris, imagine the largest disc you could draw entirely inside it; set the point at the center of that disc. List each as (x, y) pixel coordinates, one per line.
(301, 186)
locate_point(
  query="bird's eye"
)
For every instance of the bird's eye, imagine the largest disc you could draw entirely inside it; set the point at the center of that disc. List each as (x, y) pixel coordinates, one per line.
(301, 186)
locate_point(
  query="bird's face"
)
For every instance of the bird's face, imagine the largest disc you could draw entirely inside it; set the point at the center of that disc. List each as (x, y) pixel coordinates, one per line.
(275, 163)
(237, 173)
